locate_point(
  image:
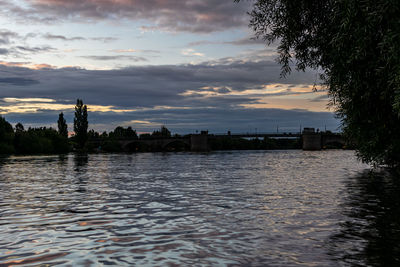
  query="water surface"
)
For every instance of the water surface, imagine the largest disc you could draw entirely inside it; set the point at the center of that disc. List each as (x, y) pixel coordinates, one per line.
(245, 208)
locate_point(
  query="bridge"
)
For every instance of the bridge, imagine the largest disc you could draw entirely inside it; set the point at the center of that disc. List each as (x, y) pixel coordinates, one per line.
(260, 135)
(199, 142)
(194, 142)
(318, 141)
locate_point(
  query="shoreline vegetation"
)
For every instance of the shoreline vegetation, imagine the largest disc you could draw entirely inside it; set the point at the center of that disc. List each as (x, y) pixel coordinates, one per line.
(44, 140)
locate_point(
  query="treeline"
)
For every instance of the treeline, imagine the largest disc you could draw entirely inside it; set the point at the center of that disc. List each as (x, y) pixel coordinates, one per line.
(111, 142)
(31, 141)
(46, 140)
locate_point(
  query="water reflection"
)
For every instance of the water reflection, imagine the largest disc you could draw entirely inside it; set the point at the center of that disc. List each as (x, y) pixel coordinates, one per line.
(80, 167)
(81, 161)
(370, 235)
(3, 160)
(63, 158)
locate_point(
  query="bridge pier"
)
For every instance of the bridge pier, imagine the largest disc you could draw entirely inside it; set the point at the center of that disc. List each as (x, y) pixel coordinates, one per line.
(316, 140)
(312, 141)
(199, 143)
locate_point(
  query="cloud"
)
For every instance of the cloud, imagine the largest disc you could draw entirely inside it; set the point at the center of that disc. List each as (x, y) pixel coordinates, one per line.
(21, 51)
(321, 98)
(35, 50)
(104, 39)
(119, 57)
(191, 52)
(14, 64)
(6, 36)
(4, 51)
(247, 41)
(30, 100)
(199, 16)
(216, 95)
(131, 50)
(17, 81)
(50, 36)
(147, 86)
(29, 65)
(242, 41)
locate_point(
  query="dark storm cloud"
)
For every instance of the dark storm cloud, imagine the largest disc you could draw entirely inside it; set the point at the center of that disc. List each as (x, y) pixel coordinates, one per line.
(201, 16)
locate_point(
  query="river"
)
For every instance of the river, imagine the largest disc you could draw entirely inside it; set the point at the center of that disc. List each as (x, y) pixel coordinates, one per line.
(236, 208)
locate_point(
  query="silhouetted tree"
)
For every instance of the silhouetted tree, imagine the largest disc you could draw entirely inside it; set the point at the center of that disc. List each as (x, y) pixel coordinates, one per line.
(19, 127)
(104, 135)
(121, 132)
(92, 134)
(19, 132)
(163, 132)
(356, 46)
(145, 136)
(62, 126)
(6, 137)
(81, 123)
(40, 140)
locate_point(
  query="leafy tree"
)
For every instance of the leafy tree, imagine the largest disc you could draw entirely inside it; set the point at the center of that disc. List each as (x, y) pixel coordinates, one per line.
(6, 137)
(40, 141)
(81, 123)
(163, 132)
(62, 126)
(93, 135)
(145, 136)
(121, 132)
(19, 127)
(104, 135)
(355, 45)
(19, 131)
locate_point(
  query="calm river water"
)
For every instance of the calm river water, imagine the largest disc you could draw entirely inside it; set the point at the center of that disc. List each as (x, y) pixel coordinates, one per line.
(262, 208)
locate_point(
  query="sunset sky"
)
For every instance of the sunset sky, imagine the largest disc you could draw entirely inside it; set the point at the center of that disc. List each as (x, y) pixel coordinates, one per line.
(187, 64)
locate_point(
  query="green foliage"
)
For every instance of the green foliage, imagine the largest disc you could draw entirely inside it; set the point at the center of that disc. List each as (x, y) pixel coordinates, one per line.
(121, 132)
(163, 132)
(62, 126)
(145, 136)
(6, 137)
(355, 44)
(93, 135)
(19, 128)
(81, 123)
(111, 145)
(40, 141)
(6, 149)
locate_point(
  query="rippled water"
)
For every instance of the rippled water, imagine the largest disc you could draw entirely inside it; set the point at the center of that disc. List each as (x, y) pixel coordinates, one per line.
(271, 208)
